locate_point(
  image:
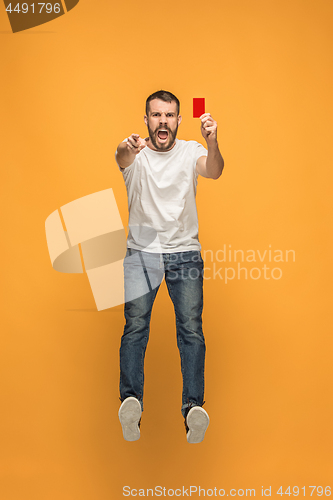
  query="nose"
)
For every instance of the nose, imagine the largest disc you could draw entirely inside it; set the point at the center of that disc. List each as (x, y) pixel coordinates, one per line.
(163, 118)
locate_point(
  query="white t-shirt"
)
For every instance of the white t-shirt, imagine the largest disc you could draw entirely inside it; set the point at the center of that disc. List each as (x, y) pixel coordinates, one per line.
(161, 189)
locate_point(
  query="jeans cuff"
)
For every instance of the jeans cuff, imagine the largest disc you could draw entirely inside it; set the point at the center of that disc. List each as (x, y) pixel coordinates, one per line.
(187, 406)
(139, 399)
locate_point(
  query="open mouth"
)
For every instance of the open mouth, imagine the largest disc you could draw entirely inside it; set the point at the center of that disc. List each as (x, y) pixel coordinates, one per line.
(162, 135)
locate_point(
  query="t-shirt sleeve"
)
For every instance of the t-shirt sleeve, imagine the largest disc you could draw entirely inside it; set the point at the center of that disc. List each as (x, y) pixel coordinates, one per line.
(198, 151)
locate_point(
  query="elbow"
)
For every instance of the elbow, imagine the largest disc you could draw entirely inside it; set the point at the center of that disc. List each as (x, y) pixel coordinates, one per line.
(219, 175)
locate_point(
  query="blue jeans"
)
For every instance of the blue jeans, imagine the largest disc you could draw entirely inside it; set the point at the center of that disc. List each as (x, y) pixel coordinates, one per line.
(143, 274)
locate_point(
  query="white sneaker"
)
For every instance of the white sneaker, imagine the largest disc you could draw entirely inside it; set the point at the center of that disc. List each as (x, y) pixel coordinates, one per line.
(197, 421)
(130, 415)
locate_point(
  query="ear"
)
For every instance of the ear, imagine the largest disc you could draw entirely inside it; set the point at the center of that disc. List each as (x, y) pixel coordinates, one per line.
(179, 119)
(146, 120)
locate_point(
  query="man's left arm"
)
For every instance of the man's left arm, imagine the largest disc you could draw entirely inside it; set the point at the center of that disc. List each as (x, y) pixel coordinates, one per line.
(212, 165)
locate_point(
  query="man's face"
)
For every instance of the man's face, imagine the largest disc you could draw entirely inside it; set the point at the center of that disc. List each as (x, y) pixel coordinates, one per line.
(162, 122)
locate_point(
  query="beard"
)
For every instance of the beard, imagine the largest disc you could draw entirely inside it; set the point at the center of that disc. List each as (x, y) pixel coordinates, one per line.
(168, 144)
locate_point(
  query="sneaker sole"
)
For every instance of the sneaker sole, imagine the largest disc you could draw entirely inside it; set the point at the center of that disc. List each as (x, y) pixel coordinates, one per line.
(197, 422)
(129, 415)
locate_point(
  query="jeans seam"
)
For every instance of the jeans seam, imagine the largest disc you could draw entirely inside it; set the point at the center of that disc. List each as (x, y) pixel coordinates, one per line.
(144, 350)
(180, 342)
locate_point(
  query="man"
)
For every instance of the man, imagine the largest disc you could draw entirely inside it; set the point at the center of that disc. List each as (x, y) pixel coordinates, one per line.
(160, 174)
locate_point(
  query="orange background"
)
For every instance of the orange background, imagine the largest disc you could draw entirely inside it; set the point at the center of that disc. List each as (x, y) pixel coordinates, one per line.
(71, 90)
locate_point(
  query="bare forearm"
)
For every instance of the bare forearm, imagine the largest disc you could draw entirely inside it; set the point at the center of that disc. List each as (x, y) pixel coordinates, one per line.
(127, 150)
(125, 157)
(214, 162)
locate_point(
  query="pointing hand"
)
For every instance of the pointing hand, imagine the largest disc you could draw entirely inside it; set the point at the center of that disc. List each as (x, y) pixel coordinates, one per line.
(135, 143)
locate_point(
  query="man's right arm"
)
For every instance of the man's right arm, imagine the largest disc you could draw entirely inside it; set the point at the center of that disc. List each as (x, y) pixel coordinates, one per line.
(127, 150)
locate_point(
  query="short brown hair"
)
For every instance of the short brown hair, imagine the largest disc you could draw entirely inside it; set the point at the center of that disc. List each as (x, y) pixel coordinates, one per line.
(165, 96)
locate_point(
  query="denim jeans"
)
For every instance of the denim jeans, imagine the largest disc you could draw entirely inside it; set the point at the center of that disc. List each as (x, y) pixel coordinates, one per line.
(143, 274)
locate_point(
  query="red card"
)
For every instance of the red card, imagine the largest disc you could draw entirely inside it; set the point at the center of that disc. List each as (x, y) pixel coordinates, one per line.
(198, 106)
